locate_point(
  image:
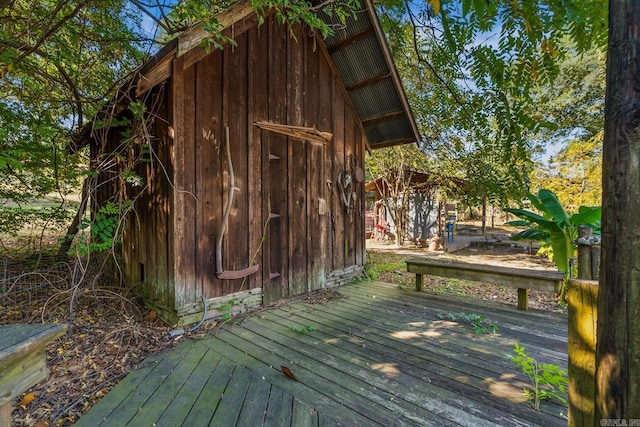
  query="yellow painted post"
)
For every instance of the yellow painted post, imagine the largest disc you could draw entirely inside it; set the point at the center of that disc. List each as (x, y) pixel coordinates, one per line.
(582, 299)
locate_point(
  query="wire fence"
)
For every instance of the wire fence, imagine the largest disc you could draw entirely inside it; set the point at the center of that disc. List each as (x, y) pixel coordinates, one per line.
(43, 289)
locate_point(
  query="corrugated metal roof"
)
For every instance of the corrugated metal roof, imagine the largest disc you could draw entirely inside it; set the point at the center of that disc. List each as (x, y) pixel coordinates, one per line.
(361, 55)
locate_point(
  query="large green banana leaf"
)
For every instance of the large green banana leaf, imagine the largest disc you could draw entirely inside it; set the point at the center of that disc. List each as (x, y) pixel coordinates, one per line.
(555, 225)
(552, 206)
(586, 215)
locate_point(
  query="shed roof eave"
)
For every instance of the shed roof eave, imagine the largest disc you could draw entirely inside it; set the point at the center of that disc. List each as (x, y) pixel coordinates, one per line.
(394, 71)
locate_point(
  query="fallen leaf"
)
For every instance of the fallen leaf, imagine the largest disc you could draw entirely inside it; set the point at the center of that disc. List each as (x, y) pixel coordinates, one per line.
(26, 400)
(288, 373)
(41, 423)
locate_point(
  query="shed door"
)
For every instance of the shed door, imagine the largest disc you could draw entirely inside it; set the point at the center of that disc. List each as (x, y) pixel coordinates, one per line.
(295, 246)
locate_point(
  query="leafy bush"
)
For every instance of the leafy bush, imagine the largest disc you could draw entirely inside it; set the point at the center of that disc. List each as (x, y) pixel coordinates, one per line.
(105, 229)
(547, 381)
(555, 226)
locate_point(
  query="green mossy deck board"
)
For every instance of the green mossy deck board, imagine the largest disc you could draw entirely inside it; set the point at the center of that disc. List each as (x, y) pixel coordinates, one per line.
(232, 399)
(358, 387)
(181, 404)
(255, 402)
(279, 408)
(445, 378)
(317, 379)
(272, 374)
(151, 410)
(461, 336)
(206, 403)
(303, 415)
(123, 402)
(380, 356)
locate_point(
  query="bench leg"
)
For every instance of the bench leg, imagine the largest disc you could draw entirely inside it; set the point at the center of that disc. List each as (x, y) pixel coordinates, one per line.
(523, 298)
(419, 282)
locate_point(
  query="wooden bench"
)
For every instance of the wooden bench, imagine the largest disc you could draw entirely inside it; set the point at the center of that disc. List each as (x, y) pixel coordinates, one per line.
(521, 278)
(22, 361)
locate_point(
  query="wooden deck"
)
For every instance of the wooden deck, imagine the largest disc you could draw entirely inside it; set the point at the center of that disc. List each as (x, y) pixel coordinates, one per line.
(379, 356)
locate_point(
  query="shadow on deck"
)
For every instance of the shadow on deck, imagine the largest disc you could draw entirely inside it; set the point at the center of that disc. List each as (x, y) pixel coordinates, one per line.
(379, 356)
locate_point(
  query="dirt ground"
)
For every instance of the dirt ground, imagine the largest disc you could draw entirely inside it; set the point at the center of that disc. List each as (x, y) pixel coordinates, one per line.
(392, 259)
(104, 345)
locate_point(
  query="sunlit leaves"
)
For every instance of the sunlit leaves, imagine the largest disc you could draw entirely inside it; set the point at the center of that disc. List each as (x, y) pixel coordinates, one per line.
(435, 4)
(59, 61)
(475, 73)
(306, 13)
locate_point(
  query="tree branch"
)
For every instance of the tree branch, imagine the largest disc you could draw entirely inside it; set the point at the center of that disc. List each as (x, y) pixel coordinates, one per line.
(147, 12)
(46, 34)
(63, 73)
(431, 68)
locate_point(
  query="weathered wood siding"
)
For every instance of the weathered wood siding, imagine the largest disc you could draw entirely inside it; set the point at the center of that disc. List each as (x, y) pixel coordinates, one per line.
(286, 188)
(268, 76)
(147, 241)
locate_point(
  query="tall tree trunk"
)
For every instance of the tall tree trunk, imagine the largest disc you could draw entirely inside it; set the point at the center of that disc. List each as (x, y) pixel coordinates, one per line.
(618, 347)
(73, 227)
(484, 214)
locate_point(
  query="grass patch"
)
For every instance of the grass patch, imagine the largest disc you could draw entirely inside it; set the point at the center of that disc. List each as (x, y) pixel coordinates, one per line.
(452, 286)
(388, 267)
(391, 268)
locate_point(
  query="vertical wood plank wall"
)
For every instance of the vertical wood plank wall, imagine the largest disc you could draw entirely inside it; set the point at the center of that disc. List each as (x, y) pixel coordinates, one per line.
(276, 169)
(148, 233)
(268, 76)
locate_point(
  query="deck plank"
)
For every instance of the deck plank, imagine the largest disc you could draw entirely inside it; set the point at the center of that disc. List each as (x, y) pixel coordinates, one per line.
(151, 410)
(481, 362)
(550, 329)
(124, 400)
(206, 403)
(458, 335)
(261, 367)
(410, 400)
(358, 387)
(228, 409)
(254, 407)
(303, 415)
(414, 369)
(379, 356)
(438, 303)
(178, 409)
(279, 408)
(331, 389)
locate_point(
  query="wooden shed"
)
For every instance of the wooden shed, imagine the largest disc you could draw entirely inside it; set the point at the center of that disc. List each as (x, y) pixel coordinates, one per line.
(251, 159)
(422, 199)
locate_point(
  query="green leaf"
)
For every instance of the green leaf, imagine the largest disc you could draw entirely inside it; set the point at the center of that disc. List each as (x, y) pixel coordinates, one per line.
(586, 215)
(562, 248)
(552, 206)
(531, 234)
(519, 223)
(466, 7)
(535, 201)
(531, 217)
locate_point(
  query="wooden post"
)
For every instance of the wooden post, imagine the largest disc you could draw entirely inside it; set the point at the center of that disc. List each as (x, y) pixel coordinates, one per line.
(595, 261)
(419, 282)
(582, 299)
(584, 255)
(523, 299)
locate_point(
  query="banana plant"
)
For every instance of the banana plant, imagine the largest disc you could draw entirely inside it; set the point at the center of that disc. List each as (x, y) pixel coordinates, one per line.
(555, 226)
